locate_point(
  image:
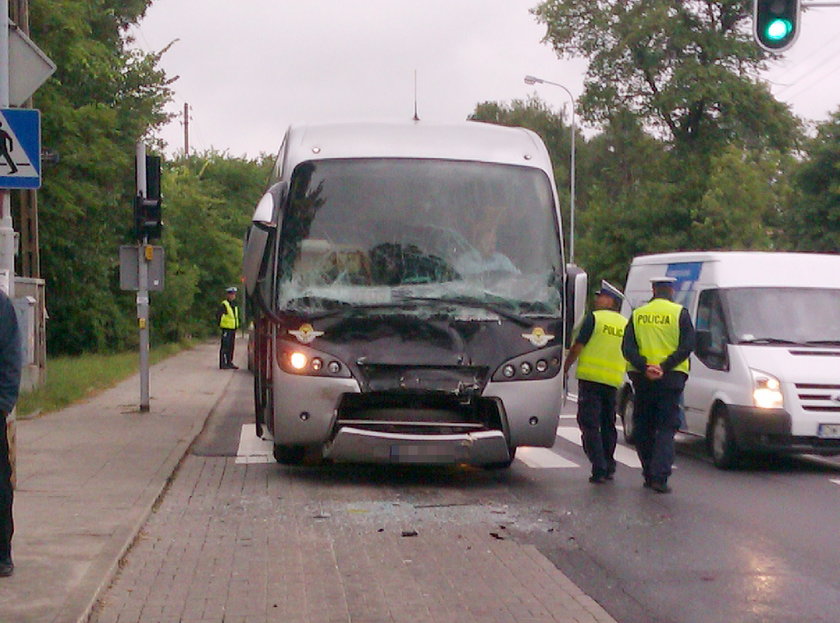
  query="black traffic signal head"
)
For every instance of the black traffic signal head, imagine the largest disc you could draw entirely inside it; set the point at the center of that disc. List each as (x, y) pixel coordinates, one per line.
(776, 23)
(148, 224)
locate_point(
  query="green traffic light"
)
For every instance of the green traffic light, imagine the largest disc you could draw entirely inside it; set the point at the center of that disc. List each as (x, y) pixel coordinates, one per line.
(777, 29)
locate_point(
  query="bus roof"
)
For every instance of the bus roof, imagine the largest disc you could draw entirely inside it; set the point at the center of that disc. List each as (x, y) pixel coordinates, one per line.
(467, 141)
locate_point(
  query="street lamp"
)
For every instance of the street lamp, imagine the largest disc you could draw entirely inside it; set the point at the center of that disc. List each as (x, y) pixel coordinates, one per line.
(535, 80)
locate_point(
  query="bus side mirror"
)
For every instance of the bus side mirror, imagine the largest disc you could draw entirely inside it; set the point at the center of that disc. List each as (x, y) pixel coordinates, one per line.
(265, 221)
(575, 303)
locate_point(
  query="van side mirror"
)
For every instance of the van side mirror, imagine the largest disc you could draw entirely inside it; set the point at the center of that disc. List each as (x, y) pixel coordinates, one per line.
(575, 300)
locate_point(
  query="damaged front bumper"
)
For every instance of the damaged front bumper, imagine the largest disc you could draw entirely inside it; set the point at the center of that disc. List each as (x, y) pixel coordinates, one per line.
(359, 445)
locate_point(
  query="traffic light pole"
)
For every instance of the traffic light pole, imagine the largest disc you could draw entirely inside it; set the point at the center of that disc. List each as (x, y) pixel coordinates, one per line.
(143, 287)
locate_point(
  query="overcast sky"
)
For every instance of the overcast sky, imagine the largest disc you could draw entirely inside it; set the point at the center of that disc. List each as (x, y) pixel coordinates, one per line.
(249, 68)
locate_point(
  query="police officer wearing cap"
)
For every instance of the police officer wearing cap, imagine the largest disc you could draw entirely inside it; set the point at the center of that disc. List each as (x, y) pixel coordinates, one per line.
(228, 318)
(658, 340)
(600, 371)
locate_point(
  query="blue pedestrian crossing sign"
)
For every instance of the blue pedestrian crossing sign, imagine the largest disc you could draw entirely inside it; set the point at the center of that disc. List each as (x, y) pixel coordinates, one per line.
(20, 148)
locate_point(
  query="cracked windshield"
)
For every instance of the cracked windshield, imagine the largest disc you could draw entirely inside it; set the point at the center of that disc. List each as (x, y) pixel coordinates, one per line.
(411, 234)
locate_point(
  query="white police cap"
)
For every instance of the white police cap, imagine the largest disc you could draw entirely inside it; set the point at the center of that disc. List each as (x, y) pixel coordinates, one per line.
(663, 281)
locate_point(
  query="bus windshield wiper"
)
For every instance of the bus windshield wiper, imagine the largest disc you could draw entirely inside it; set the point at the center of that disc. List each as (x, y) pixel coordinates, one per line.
(343, 309)
(467, 301)
(823, 342)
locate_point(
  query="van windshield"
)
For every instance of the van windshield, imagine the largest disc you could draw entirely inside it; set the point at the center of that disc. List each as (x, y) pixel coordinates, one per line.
(383, 232)
(783, 315)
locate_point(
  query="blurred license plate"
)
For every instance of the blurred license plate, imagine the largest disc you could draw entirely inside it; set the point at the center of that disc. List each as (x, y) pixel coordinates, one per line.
(421, 454)
(829, 431)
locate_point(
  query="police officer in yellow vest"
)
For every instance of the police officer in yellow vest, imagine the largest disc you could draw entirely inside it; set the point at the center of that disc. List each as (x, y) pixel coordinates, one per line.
(228, 317)
(600, 371)
(657, 343)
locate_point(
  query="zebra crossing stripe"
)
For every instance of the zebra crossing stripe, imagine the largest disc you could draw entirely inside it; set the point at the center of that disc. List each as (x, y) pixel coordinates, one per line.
(542, 458)
(623, 454)
(251, 448)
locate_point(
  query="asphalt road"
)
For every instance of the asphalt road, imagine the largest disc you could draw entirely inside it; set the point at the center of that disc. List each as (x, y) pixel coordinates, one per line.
(759, 544)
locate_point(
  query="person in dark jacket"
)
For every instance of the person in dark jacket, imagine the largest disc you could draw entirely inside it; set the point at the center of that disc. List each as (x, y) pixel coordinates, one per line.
(10, 367)
(657, 342)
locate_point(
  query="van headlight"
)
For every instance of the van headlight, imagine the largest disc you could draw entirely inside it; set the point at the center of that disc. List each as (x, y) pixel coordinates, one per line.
(767, 390)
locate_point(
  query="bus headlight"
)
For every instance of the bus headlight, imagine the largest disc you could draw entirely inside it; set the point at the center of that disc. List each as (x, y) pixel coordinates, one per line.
(767, 390)
(303, 360)
(536, 365)
(298, 360)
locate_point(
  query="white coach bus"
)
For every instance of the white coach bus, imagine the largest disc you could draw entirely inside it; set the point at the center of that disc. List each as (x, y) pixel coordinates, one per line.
(411, 295)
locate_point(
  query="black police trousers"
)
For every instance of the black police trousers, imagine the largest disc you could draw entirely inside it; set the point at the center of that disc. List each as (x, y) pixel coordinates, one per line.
(656, 419)
(7, 526)
(226, 348)
(596, 419)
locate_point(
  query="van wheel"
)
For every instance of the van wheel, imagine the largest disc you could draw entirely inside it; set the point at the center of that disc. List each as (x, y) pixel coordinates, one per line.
(627, 408)
(722, 444)
(289, 455)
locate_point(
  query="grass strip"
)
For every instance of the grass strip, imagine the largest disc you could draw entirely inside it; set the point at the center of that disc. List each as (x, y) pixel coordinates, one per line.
(70, 379)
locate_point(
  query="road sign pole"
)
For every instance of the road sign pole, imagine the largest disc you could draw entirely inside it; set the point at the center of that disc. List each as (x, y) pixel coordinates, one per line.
(143, 288)
(7, 232)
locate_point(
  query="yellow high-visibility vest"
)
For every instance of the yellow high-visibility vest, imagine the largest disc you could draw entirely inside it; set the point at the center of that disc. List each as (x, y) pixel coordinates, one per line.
(601, 360)
(657, 329)
(230, 319)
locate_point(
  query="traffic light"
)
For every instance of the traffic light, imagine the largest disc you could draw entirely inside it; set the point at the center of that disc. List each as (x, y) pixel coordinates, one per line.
(776, 23)
(147, 218)
(148, 223)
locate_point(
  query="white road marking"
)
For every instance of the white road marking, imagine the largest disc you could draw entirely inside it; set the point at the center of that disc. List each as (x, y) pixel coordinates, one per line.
(834, 480)
(542, 458)
(252, 449)
(623, 454)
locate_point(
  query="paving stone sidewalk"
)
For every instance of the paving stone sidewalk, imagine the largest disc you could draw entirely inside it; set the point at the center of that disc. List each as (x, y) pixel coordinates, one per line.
(87, 478)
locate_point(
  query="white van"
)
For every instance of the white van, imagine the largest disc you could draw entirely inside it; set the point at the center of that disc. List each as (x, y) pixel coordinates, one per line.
(765, 375)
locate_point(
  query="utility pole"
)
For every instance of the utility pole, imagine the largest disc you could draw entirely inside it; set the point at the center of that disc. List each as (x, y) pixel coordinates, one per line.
(186, 130)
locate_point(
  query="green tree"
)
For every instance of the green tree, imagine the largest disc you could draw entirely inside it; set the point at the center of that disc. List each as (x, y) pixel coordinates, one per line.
(740, 208)
(102, 99)
(694, 149)
(814, 221)
(209, 199)
(686, 68)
